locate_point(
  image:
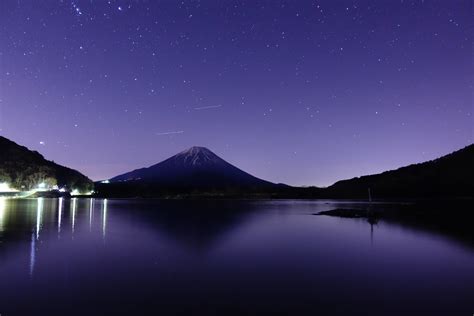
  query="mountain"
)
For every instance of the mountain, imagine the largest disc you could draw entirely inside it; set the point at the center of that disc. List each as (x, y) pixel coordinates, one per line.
(449, 176)
(199, 172)
(24, 169)
(192, 170)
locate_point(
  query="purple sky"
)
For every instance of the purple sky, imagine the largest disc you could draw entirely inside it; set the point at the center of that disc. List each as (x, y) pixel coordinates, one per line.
(301, 92)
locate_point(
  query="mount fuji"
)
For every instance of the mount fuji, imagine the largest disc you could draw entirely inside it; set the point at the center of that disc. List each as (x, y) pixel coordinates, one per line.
(196, 168)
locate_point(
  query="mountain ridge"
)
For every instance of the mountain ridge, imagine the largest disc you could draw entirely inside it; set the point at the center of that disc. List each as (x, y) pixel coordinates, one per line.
(199, 171)
(448, 175)
(23, 168)
(191, 157)
(191, 170)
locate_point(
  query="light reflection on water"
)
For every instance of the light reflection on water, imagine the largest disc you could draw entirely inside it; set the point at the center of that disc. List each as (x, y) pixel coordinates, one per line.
(55, 208)
(2, 211)
(104, 217)
(222, 257)
(60, 212)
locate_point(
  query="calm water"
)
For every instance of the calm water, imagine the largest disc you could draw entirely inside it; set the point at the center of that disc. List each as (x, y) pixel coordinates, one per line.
(175, 257)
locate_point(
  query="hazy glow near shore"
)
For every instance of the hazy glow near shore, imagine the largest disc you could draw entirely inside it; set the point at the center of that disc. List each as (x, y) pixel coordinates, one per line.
(5, 187)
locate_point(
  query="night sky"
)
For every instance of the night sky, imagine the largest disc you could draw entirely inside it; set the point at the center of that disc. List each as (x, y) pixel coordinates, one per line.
(301, 92)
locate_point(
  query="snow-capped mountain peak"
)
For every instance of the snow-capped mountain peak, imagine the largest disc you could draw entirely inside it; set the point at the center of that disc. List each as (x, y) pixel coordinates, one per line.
(196, 156)
(196, 167)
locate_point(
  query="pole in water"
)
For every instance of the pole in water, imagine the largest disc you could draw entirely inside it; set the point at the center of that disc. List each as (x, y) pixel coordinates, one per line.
(370, 195)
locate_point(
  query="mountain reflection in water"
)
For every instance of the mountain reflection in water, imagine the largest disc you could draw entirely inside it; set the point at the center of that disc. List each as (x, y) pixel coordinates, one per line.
(95, 257)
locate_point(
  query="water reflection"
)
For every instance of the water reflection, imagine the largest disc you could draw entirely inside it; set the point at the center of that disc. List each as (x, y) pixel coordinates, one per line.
(39, 214)
(275, 256)
(40, 218)
(104, 217)
(199, 226)
(60, 212)
(35, 237)
(74, 208)
(2, 212)
(91, 212)
(32, 254)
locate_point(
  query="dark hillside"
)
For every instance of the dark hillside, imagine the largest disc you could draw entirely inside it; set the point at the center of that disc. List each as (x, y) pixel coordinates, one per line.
(25, 169)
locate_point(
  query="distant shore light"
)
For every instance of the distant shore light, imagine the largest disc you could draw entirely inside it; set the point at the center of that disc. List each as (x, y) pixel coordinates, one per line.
(5, 187)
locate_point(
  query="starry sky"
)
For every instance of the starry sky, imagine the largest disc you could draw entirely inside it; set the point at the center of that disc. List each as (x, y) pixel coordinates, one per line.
(300, 92)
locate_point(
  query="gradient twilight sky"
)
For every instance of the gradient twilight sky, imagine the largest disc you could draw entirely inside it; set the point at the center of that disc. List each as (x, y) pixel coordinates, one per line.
(301, 92)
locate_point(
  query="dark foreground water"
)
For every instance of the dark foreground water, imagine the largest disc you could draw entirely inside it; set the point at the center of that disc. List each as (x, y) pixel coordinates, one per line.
(96, 257)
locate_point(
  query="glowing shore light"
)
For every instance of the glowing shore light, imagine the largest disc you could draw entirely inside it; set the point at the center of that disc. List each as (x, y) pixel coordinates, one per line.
(105, 181)
(5, 187)
(42, 186)
(75, 192)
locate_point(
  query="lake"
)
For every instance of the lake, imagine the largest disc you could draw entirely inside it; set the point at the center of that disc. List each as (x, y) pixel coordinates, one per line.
(144, 257)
